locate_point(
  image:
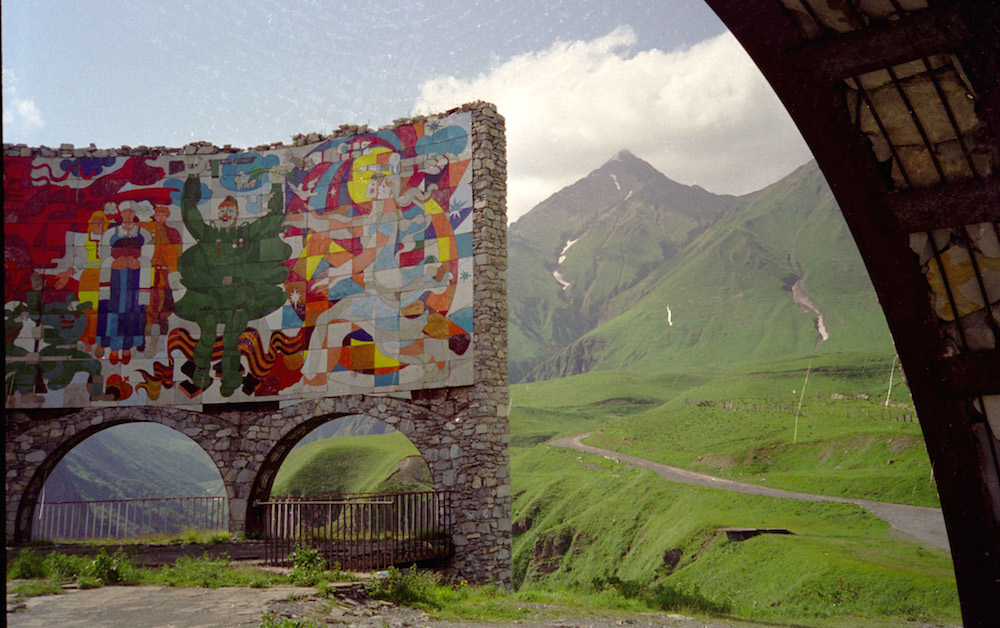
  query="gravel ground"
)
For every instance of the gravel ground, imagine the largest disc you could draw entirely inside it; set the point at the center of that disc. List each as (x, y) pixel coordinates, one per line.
(141, 607)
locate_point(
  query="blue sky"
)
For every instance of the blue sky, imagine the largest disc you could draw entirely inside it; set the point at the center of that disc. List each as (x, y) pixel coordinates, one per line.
(577, 81)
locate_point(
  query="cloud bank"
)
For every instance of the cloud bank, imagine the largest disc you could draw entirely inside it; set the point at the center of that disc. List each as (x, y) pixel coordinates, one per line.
(704, 115)
(17, 112)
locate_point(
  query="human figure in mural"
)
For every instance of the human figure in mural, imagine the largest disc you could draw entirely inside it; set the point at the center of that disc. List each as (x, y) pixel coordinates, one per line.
(125, 280)
(85, 267)
(231, 275)
(167, 249)
(386, 276)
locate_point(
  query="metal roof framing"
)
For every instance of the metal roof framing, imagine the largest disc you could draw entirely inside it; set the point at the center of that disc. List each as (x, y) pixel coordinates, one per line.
(943, 194)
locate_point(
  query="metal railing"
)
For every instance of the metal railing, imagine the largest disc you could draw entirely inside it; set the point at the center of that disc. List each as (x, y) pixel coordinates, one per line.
(361, 531)
(128, 518)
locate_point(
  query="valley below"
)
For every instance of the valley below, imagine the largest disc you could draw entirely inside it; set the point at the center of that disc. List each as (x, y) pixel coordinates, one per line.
(925, 525)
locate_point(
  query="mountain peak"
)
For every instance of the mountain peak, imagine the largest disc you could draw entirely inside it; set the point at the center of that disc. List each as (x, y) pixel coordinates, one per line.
(627, 158)
(625, 162)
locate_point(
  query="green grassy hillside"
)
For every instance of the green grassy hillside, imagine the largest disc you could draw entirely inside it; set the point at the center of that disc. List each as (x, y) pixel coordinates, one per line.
(544, 410)
(588, 522)
(580, 521)
(748, 424)
(134, 461)
(351, 464)
(743, 426)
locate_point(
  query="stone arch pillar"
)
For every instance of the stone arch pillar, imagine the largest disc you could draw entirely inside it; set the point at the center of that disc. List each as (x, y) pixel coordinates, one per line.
(460, 442)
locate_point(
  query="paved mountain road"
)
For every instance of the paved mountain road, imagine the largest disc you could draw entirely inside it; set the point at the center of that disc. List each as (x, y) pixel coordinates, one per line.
(923, 524)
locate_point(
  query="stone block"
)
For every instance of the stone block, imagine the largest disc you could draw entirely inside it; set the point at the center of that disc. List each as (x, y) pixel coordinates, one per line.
(35, 457)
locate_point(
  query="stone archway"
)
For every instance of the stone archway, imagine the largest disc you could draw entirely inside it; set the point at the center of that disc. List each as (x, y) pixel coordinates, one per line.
(263, 483)
(247, 445)
(36, 444)
(453, 442)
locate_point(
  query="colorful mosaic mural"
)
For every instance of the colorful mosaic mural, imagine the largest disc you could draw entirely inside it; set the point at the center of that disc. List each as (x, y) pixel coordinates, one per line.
(339, 267)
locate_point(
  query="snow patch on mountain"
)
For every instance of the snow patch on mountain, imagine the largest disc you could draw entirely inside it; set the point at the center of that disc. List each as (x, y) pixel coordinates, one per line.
(562, 253)
(801, 298)
(562, 281)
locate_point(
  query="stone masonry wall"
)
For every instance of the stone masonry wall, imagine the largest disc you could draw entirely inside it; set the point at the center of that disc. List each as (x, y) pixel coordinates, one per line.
(462, 432)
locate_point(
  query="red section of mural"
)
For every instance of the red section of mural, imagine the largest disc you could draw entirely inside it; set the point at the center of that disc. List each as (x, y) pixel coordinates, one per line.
(39, 213)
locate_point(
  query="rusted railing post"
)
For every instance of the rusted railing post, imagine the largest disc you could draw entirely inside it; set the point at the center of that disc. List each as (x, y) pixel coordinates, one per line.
(360, 531)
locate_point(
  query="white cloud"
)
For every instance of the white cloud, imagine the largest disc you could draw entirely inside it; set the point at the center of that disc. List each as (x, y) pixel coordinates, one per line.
(23, 114)
(29, 113)
(704, 115)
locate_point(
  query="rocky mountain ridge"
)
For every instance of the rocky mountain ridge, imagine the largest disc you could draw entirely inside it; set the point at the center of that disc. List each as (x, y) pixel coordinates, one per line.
(628, 269)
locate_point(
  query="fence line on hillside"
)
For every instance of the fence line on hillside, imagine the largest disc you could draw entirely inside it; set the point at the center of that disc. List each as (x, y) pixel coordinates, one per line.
(891, 413)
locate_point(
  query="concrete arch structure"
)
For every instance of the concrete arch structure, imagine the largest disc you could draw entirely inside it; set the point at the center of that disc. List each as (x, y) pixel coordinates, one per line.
(899, 101)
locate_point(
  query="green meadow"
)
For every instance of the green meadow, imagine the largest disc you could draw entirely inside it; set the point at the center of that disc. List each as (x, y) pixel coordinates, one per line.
(829, 434)
(587, 523)
(583, 521)
(347, 464)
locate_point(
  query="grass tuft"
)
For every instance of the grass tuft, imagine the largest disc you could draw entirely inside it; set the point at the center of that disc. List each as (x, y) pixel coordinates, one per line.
(34, 588)
(267, 620)
(307, 567)
(410, 588)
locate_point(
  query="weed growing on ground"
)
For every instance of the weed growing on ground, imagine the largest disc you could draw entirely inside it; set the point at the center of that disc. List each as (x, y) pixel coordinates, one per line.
(204, 571)
(267, 620)
(410, 588)
(307, 566)
(193, 535)
(114, 569)
(662, 596)
(212, 573)
(86, 582)
(188, 535)
(27, 565)
(63, 568)
(33, 588)
(683, 599)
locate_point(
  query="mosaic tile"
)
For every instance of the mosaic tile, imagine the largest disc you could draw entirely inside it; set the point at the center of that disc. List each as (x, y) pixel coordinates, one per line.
(340, 267)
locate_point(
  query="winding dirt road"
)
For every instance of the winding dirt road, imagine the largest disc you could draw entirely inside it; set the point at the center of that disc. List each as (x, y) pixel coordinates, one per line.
(926, 525)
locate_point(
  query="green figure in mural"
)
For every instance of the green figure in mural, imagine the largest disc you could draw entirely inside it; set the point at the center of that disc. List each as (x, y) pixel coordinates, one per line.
(55, 360)
(232, 276)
